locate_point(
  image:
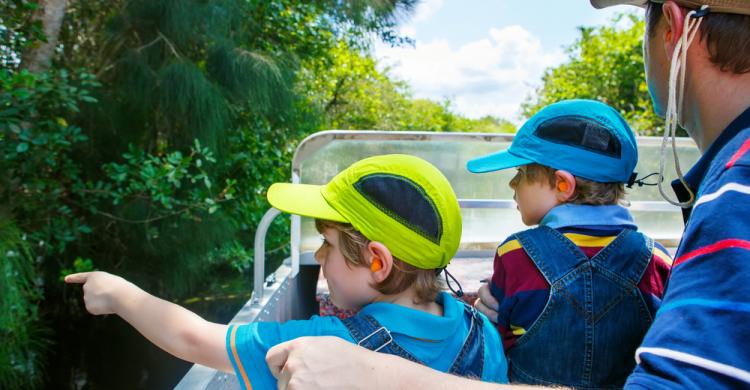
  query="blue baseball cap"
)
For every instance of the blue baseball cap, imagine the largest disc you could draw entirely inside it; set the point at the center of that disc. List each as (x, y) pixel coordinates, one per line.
(584, 137)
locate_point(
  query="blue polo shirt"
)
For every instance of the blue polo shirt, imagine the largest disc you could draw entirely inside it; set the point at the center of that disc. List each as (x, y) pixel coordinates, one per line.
(432, 339)
(700, 337)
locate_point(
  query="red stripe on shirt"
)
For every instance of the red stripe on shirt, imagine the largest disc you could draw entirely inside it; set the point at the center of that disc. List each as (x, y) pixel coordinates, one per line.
(656, 274)
(524, 275)
(742, 150)
(715, 247)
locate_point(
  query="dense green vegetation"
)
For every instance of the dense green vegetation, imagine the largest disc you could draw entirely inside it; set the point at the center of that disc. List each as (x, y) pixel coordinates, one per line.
(605, 63)
(139, 137)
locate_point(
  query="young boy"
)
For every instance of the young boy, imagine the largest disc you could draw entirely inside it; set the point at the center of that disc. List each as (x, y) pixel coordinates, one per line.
(390, 224)
(577, 293)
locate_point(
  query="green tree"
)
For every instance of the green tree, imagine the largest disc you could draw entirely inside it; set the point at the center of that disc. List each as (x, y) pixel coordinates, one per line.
(485, 124)
(22, 339)
(605, 63)
(353, 94)
(126, 155)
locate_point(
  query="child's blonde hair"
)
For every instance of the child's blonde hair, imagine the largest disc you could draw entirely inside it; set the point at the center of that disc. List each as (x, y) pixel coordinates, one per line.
(586, 192)
(403, 275)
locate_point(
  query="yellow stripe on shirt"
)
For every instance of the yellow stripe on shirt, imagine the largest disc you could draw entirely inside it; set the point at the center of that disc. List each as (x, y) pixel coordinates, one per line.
(508, 246)
(589, 241)
(240, 368)
(578, 239)
(517, 330)
(663, 256)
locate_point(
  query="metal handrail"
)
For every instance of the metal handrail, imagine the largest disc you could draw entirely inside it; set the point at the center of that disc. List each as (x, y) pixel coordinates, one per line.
(260, 234)
(636, 205)
(259, 260)
(315, 142)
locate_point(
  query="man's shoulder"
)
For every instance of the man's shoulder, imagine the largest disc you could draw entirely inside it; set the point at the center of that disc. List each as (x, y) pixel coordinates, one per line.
(731, 163)
(728, 177)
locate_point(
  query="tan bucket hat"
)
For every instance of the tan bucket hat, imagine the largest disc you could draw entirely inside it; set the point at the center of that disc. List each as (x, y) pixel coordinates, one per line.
(719, 6)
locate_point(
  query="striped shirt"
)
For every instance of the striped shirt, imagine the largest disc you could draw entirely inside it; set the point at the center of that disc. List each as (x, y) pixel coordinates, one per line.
(523, 291)
(700, 337)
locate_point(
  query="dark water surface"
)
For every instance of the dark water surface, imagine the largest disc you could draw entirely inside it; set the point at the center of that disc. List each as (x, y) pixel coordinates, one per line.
(105, 352)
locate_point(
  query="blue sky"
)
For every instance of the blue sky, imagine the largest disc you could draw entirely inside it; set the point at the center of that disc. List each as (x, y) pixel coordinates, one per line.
(487, 56)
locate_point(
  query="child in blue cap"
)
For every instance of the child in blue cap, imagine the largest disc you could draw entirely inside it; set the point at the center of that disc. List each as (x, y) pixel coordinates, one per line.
(576, 294)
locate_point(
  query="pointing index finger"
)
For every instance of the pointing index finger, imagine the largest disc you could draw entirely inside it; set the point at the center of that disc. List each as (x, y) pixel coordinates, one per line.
(80, 277)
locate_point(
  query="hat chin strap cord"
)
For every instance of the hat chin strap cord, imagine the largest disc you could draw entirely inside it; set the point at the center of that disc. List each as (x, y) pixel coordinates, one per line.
(674, 105)
(460, 292)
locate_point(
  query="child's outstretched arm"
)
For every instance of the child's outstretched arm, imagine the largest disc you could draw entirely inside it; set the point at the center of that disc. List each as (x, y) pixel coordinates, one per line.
(172, 328)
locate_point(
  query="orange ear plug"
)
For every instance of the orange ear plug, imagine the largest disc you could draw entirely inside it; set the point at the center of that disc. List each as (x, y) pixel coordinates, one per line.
(562, 186)
(376, 264)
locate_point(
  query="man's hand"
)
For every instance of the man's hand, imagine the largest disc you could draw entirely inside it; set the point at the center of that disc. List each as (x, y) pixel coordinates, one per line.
(486, 303)
(323, 362)
(101, 290)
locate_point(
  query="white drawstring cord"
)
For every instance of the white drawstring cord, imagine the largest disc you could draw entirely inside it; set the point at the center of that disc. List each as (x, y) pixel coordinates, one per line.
(674, 104)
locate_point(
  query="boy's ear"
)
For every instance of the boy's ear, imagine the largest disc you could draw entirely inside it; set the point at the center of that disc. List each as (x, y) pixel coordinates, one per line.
(379, 253)
(565, 185)
(674, 17)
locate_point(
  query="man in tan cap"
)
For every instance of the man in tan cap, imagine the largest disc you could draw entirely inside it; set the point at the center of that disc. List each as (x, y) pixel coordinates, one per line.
(697, 58)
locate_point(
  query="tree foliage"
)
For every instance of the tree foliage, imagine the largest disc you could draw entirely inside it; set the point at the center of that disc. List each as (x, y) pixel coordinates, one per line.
(352, 93)
(605, 63)
(22, 338)
(147, 148)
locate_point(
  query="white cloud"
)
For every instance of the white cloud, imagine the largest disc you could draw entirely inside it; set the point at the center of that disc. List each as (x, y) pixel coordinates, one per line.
(426, 9)
(490, 76)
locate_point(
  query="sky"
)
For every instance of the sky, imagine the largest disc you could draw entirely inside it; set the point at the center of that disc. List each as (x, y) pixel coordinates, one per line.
(487, 56)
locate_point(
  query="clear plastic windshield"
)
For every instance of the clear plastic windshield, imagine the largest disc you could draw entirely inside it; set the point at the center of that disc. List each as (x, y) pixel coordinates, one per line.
(489, 213)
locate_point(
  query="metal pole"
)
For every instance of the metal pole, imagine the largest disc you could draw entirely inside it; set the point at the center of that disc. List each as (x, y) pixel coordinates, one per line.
(259, 265)
(296, 233)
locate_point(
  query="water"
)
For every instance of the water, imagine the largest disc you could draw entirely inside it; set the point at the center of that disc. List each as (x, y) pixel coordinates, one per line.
(105, 352)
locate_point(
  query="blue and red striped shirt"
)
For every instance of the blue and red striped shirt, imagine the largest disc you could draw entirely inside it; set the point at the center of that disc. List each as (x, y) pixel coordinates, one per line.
(523, 291)
(700, 336)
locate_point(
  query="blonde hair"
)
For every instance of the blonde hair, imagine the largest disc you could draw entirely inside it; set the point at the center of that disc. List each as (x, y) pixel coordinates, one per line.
(586, 192)
(403, 275)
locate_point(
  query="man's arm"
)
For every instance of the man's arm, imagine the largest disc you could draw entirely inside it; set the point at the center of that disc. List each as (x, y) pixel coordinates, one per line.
(331, 363)
(699, 336)
(172, 328)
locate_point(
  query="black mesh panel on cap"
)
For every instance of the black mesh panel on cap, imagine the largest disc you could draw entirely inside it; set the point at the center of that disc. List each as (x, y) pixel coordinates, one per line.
(403, 200)
(580, 132)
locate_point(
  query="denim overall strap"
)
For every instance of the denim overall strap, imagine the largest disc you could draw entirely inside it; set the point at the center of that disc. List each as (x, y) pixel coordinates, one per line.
(539, 243)
(369, 333)
(470, 360)
(631, 245)
(595, 316)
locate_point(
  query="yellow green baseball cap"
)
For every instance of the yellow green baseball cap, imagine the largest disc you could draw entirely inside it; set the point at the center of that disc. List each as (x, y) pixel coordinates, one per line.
(402, 201)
